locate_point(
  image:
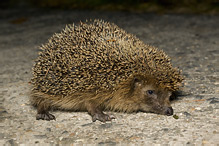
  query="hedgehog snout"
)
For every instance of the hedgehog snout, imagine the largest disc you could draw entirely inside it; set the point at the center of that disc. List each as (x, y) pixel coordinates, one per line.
(168, 111)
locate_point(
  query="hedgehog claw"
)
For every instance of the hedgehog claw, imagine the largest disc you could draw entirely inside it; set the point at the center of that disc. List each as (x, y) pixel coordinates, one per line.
(45, 116)
(102, 117)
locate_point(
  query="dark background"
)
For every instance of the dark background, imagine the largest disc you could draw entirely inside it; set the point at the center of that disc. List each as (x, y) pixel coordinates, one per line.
(157, 6)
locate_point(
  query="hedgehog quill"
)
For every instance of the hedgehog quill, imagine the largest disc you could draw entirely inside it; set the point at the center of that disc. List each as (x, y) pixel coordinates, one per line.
(96, 66)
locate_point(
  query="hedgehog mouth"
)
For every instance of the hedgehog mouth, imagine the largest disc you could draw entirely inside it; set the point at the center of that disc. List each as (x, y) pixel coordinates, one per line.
(168, 111)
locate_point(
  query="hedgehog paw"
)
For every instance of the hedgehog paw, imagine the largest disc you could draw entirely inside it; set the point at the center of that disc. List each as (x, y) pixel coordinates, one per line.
(45, 116)
(102, 117)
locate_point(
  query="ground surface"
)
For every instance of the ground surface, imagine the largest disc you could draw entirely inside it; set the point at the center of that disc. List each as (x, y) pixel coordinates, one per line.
(191, 40)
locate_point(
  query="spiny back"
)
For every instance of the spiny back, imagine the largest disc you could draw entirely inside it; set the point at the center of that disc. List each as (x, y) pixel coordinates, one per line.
(96, 56)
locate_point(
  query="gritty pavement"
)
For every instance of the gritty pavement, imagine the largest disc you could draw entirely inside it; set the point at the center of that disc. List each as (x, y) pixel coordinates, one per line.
(192, 41)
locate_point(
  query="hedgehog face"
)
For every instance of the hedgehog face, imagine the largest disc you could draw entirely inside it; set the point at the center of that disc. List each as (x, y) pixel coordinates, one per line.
(153, 98)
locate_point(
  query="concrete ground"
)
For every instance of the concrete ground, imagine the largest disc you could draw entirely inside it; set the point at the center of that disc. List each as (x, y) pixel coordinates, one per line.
(190, 40)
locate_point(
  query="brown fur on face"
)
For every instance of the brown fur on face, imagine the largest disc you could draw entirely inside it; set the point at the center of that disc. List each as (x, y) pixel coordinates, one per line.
(131, 95)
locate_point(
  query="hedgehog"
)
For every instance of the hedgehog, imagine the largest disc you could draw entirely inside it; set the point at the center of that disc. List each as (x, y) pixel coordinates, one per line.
(96, 66)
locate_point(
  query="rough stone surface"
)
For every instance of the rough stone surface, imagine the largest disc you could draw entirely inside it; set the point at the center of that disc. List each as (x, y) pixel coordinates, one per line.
(190, 40)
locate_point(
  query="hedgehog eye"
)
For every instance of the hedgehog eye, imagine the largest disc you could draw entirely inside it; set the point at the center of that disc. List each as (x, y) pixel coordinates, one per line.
(150, 92)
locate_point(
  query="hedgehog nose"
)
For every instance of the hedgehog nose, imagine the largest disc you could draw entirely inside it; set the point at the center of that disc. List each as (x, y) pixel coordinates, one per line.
(169, 111)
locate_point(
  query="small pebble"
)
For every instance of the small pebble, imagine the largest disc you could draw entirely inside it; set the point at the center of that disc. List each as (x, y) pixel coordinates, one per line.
(64, 132)
(187, 114)
(48, 129)
(214, 101)
(213, 98)
(198, 108)
(199, 97)
(60, 138)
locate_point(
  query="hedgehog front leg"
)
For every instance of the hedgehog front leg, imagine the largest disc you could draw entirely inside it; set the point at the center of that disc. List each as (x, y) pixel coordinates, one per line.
(43, 113)
(40, 100)
(97, 114)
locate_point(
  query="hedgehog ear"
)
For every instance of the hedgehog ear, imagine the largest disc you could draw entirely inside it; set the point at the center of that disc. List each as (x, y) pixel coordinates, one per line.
(136, 82)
